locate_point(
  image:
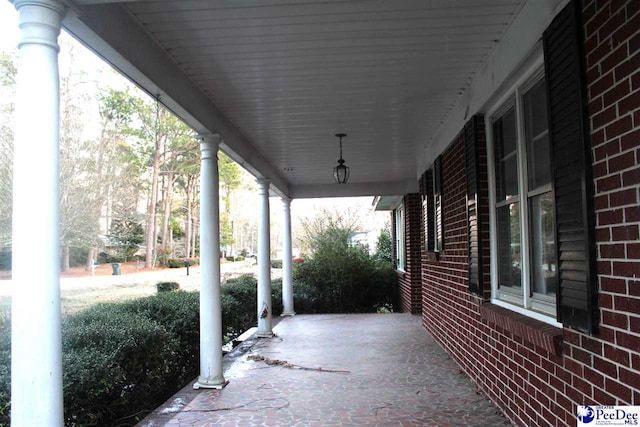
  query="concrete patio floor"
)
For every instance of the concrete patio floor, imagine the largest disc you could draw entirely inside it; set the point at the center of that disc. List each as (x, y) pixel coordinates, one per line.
(337, 370)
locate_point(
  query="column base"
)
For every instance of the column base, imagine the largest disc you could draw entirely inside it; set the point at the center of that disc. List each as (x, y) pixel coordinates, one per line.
(267, 334)
(288, 313)
(211, 384)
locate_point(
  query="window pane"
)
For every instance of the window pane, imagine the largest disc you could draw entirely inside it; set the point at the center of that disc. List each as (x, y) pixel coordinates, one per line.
(537, 134)
(543, 245)
(509, 261)
(506, 161)
(400, 242)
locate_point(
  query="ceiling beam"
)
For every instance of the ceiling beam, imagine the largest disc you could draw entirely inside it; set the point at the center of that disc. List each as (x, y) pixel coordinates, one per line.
(358, 189)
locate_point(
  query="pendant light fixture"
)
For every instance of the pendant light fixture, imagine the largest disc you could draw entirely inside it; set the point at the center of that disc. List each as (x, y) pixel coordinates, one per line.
(341, 172)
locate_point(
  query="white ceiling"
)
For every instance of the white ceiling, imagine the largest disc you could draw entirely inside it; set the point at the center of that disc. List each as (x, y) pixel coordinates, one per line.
(282, 77)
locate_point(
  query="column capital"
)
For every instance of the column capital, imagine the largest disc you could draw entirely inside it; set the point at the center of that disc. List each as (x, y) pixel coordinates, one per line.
(40, 21)
(286, 203)
(263, 185)
(209, 144)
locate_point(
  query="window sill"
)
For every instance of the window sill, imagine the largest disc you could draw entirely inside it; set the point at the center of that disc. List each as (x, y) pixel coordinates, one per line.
(538, 333)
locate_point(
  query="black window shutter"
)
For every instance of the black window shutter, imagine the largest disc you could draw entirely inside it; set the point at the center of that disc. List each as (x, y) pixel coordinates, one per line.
(571, 164)
(438, 198)
(474, 225)
(427, 209)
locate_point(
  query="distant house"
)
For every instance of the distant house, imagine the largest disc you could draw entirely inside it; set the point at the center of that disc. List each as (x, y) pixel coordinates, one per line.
(364, 238)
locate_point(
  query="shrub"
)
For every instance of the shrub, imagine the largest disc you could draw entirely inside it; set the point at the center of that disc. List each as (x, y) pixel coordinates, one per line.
(175, 263)
(122, 359)
(78, 256)
(276, 297)
(342, 279)
(179, 314)
(234, 258)
(276, 263)
(384, 248)
(167, 286)
(115, 363)
(5, 260)
(240, 303)
(179, 262)
(5, 367)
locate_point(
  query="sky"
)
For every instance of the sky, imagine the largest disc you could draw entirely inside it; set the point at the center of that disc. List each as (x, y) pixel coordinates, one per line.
(8, 26)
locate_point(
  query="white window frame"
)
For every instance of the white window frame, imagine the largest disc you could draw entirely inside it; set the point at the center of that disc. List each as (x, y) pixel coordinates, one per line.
(522, 303)
(401, 250)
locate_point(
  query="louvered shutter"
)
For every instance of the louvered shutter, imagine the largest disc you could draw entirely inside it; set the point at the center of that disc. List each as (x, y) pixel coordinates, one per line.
(571, 165)
(427, 209)
(474, 225)
(438, 202)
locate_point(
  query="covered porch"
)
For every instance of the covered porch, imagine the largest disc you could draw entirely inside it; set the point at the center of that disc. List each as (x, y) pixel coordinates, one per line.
(336, 369)
(437, 99)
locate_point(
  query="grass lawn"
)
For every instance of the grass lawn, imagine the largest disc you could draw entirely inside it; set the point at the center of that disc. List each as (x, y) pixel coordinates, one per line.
(83, 289)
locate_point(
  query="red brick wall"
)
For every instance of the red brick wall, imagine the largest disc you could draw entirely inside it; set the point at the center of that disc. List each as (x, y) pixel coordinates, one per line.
(612, 45)
(409, 281)
(511, 357)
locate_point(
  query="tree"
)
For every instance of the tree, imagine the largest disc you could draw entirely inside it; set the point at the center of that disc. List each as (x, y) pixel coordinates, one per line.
(126, 236)
(116, 166)
(7, 93)
(189, 183)
(181, 158)
(230, 174)
(384, 249)
(139, 128)
(340, 277)
(80, 203)
(327, 230)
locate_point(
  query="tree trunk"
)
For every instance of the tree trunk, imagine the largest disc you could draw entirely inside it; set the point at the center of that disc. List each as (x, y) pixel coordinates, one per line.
(167, 204)
(151, 232)
(194, 237)
(190, 217)
(187, 234)
(65, 258)
(92, 257)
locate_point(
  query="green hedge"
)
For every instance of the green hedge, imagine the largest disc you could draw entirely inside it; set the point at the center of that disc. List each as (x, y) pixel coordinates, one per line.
(122, 360)
(240, 303)
(5, 367)
(5, 260)
(179, 313)
(167, 286)
(115, 364)
(350, 281)
(276, 263)
(179, 262)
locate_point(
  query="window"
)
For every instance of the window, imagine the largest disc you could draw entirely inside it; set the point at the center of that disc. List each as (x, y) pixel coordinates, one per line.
(438, 224)
(523, 210)
(399, 230)
(432, 205)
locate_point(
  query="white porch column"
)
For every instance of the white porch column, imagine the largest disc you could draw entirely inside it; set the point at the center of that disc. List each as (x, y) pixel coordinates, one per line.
(36, 359)
(287, 272)
(211, 375)
(264, 262)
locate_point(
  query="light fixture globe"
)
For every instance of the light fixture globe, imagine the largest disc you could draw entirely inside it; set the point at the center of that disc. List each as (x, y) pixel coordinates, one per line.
(341, 172)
